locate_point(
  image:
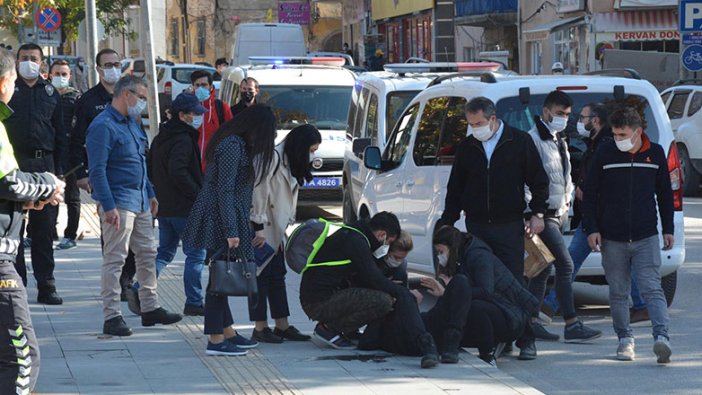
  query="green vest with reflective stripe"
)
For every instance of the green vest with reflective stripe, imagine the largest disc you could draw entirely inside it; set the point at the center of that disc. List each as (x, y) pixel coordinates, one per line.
(317, 245)
(7, 154)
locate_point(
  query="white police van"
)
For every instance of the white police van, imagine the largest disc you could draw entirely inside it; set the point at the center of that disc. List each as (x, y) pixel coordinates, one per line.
(377, 101)
(303, 90)
(411, 172)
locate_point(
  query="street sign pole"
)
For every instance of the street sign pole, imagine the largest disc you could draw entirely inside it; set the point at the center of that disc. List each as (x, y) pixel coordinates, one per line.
(150, 63)
(36, 28)
(91, 29)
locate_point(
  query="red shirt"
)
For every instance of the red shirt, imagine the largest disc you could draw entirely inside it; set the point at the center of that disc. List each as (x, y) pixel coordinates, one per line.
(210, 124)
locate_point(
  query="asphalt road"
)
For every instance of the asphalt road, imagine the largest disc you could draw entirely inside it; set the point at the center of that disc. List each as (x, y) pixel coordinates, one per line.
(591, 368)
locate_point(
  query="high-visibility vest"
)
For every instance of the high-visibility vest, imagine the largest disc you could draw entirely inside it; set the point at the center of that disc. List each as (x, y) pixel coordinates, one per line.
(320, 242)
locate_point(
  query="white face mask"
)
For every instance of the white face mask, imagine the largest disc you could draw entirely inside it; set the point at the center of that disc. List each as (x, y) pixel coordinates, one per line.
(392, 262)
(136, 110)
(381, 251)
(59, 82)
(626, 145)
(29, 70)
(442, 260)
(482, 133)
(582, 131)
(558, 124)
(197, 121)
(112, 75)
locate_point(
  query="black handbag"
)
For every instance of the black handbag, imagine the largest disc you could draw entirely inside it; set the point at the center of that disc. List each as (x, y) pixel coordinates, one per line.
(232, 277)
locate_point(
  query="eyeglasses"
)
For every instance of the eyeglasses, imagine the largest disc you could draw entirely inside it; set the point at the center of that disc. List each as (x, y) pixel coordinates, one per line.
(111, 65)
(138, 95)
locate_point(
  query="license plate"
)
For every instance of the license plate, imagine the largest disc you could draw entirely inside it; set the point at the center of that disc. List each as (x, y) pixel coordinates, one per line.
(323, 182)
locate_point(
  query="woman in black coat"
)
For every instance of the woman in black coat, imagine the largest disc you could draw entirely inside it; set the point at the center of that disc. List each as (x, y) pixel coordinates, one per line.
(220, 215)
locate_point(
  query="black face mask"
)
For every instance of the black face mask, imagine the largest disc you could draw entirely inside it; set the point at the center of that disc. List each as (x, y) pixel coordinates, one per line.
(247, 97)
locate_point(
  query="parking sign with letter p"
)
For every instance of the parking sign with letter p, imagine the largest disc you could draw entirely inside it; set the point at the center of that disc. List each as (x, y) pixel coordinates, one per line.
(690, 16)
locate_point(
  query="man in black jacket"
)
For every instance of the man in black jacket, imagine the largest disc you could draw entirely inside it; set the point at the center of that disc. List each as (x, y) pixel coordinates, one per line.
(348, 290)
(37, 134)
(627, 177)
(177, 178)
(487, 181)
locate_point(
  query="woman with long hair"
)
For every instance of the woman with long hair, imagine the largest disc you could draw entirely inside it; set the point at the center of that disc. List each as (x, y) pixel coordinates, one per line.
(274, 203)
(220, 215)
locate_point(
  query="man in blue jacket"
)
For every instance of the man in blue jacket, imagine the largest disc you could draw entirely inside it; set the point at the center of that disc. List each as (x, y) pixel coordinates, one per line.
(627, 177)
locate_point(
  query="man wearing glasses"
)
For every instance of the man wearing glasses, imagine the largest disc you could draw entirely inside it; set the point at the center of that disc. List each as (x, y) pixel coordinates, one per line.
(116, 145)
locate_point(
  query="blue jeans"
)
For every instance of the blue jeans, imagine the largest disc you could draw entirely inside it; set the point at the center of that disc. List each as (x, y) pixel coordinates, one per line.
(643, 258)
(169, 230)
(579, 251)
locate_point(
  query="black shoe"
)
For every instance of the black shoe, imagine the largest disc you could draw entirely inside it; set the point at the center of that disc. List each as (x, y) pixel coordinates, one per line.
(116, 327)
(577, 332)
(159, 316)
(291, 334)
(541, 333)
(452, 343)
(133, 300)
(430, 356)
(488, 358)
(528, 351)
(123, 295)
(49, 297)
(194, 310)
(266, 336)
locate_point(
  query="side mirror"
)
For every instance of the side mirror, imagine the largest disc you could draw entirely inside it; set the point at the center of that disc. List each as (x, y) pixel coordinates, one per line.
(371, 158)
(359, 145)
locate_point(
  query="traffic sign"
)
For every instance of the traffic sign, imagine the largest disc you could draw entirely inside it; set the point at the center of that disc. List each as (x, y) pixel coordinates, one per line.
(692, 38)
(692, 57)
(44, 39)
(48, 19)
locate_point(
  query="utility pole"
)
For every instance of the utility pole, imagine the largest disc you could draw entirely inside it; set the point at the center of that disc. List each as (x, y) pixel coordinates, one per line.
(34, 19)
(91, 28)
(146, 37)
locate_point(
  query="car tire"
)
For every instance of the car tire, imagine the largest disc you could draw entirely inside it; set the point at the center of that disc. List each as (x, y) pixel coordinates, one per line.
(669, 284)
(349, 213)
(691, 178)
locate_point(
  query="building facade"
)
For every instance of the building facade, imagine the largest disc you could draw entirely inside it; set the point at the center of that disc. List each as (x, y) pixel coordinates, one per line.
(190, 31)
(486, 29)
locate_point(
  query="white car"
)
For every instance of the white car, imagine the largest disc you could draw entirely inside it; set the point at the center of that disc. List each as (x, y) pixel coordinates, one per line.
(303, 90)
(683, 103)
(377, 101)
(411, 174)
(173, 79)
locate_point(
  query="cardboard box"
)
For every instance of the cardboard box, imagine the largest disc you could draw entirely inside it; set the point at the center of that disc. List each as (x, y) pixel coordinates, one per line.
(537, 257)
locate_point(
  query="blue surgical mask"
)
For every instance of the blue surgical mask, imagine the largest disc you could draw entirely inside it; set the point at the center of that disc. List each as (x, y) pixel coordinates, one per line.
(197, 121)
(202, 94)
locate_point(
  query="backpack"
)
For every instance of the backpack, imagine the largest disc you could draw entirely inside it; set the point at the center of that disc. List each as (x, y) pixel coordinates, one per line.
(306, 241)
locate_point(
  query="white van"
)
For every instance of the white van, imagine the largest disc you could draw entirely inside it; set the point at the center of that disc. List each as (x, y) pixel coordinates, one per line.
(266, 39)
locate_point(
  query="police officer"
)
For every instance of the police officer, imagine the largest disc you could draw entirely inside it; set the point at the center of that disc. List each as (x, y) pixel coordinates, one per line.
(37, 134)
(19, 351)
(89, 106)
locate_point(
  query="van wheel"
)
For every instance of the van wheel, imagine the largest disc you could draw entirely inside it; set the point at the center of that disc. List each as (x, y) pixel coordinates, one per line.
(691, 178)
(669, 284)
(347, 207)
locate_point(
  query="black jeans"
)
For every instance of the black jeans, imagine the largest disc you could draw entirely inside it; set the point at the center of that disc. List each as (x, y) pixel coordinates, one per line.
(351, 308)
(506, 242)
(450, 310)
(72, 197)
(486, 326)
(553, 239)
(42, 251)
(271, 291)
(18, 343)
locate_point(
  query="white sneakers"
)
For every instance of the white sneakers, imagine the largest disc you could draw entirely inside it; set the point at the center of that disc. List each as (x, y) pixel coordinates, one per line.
(661, 347)
(625, 351)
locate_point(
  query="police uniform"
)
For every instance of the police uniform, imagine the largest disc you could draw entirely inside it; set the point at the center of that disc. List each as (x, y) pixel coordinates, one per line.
(37, 134)
(19, 350)
(72, 195)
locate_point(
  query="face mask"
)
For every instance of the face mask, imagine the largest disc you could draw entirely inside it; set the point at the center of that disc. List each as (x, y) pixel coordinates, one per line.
(59, 82)
(392, 262)
(442, 260)
(247, 97)
(625, 145)
(381, 251)
(482, 133)
(29, 70)
(136, 110)
(197, 121)
(558, 124)
(111, 75)
(202, 94)
(582, 131)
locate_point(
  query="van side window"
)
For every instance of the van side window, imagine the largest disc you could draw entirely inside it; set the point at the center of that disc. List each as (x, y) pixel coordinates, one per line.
(353, 107)
(677, 104)
(398, 142)
(426, 143)
(360, 114)
(453, 132)
(695, 104)
(372, 119)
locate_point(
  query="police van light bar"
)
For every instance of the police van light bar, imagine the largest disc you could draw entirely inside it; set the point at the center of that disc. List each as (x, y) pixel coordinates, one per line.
(441, 67)
(303, 60)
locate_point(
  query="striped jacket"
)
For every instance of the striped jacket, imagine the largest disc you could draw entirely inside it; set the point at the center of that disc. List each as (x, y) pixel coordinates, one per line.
(622, 190)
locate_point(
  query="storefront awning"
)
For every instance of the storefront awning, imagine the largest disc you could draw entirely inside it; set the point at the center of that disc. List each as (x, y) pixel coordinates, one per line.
(551, 26)
(645, 25)
(623, 4)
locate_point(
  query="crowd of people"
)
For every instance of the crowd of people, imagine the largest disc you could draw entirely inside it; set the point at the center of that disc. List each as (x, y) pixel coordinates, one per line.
(215, 180)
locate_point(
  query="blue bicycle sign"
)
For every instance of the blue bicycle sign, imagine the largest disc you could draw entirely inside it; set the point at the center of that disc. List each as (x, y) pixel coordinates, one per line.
(692, 57)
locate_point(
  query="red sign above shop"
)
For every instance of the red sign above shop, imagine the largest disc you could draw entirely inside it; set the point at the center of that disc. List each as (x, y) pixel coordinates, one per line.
(647, 36)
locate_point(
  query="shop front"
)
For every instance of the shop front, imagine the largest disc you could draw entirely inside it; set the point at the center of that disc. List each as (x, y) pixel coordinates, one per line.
(405, 28)
(641, 30)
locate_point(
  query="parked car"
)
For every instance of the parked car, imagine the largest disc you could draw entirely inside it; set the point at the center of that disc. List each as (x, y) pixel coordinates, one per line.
(172, 80)
(683, 103)
(266, 39)
(411, 172)
(304, 90)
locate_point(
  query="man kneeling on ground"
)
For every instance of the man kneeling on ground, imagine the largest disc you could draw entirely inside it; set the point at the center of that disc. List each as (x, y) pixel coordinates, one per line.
(344, 290)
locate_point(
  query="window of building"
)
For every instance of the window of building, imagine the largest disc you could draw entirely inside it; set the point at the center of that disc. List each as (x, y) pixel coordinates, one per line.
(535, 54)
(566, 49)
(201, 36)
(175, 33)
